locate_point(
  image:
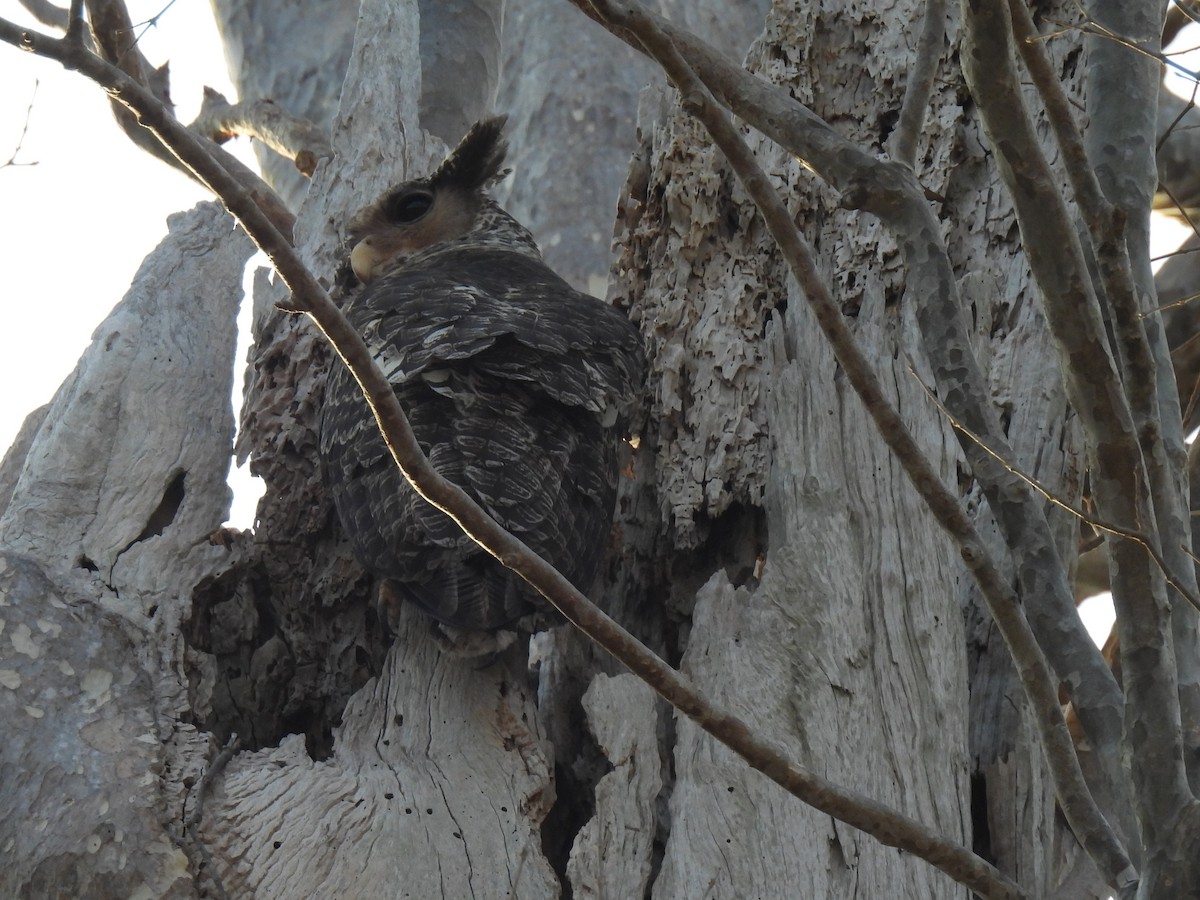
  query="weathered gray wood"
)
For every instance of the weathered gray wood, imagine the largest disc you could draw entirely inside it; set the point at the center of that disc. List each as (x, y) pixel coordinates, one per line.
(611, 857)
(436, 788)
(128, 469)
(572, 116)
(729, 25)
(120, 488)
(81, 814)
(14, 458)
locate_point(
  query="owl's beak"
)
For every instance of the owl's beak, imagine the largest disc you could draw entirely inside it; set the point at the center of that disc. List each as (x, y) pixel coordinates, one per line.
(366, 260)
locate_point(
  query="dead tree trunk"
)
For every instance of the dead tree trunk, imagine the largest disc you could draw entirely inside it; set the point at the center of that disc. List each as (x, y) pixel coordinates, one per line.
(767, 542)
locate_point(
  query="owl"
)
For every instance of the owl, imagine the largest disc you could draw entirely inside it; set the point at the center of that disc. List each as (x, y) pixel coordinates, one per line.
(517, 386)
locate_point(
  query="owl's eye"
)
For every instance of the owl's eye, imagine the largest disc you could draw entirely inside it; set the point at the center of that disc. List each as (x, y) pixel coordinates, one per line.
(409, 207)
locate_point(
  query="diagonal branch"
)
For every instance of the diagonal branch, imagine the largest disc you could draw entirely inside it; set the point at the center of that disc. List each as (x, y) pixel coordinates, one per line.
(884, 823)
(1088, 823)
(891, 192)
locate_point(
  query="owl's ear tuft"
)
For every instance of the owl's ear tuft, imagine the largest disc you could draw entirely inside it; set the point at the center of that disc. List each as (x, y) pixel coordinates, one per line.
(477, 160)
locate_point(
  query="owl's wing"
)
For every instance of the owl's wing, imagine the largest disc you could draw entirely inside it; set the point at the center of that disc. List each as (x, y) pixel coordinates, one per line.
(510, 314)
(512, 392)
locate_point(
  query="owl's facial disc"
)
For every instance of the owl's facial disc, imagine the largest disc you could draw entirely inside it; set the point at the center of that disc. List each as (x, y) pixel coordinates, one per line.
(407, 221)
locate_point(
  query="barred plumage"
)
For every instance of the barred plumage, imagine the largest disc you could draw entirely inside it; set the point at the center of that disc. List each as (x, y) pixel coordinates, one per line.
(516, 386)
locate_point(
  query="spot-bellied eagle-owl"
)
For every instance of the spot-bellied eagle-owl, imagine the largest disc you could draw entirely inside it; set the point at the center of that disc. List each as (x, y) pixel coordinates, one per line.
(516, 385)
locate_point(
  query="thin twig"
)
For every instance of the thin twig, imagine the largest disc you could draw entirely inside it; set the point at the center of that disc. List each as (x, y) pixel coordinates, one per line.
(189, 841)
(1179, 117)
(1182, 301)
(1180, 208)
(12, 159)
(1052, 498)
(215, 768)
(151, 22)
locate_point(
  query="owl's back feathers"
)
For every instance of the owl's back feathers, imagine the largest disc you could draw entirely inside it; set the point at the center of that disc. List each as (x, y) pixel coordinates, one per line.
(516, 386)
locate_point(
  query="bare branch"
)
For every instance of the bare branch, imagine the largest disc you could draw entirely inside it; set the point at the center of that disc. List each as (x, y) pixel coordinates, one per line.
(891, 192)
(920, 84)
(288, 135)
(47, 13)
(1074, 796)
(112, 30)
(12, 158)
(1119, 478)
(884, 823)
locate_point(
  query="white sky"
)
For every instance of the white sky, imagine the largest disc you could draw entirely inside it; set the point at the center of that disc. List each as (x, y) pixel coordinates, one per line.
(83, 218)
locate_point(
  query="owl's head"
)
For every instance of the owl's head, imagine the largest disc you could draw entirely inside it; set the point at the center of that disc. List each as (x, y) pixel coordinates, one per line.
(449, 208)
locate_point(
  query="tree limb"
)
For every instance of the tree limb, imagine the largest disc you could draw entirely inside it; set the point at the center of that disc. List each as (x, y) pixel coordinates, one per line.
(1145, 363)
(290, 136)
(1118, 474)
(920, 84)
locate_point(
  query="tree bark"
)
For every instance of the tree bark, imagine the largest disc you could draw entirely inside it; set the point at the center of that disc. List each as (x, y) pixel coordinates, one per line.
(110, 517)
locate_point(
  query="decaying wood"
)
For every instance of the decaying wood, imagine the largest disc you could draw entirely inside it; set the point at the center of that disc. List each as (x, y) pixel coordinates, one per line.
(612, 854)
(732, 367)
(411, 799)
